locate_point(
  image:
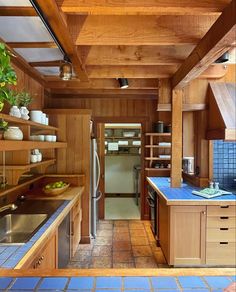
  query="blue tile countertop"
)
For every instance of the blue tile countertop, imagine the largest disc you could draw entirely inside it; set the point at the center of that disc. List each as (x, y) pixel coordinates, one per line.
(184, 193)
(10, 255)
(115, 284)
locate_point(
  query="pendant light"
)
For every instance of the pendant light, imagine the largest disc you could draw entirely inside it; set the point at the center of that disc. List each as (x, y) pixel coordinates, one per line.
(66, 71)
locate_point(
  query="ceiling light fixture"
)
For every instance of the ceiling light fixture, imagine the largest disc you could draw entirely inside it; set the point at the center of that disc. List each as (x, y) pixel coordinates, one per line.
(123, 82)
(223, 59)
(66, 70)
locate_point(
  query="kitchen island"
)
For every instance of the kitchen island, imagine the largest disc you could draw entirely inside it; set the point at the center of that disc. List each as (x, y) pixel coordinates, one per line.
(193, 231)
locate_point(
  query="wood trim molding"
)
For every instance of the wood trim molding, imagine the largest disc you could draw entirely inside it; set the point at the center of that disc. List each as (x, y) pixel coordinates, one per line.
(17, 11)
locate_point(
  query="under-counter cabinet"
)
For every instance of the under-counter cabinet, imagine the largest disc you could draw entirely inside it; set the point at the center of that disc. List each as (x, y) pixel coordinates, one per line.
(76, 218)
(45, 257)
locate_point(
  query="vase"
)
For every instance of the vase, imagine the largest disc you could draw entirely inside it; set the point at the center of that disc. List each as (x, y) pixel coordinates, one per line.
(15, 111)
(24, 113)
(13, 133)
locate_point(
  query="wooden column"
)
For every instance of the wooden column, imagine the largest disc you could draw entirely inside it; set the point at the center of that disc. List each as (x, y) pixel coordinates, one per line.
(176, 139)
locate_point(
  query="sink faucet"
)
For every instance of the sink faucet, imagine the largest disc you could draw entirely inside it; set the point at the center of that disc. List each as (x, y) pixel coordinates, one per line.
(10, 206)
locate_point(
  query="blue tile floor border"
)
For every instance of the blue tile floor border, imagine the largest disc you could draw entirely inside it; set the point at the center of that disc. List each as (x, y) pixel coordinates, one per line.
(117, 284)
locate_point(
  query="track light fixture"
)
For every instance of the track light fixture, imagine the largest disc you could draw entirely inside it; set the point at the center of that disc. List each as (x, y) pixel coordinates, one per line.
(123, 82)
(224, 58)
(66, 70)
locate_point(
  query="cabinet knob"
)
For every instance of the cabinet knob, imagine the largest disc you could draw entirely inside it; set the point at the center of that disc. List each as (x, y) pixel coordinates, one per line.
(203, 212)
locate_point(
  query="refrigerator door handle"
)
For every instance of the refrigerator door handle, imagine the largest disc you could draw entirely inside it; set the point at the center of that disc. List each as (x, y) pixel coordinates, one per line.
(99, 196)
(99, 170)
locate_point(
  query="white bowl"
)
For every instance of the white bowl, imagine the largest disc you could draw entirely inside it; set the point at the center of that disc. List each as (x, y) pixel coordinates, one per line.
(54, 138)
(48, 138)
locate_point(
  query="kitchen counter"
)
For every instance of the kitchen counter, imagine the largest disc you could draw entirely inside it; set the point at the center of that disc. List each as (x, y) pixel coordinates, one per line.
(14, 256)
(183, 195)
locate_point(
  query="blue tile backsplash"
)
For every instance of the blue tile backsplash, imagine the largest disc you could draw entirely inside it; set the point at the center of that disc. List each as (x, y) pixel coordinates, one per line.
(224, 163)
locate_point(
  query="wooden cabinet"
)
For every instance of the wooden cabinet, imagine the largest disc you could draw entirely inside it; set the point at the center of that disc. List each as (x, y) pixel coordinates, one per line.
(187, 235)
(45, 257)
(76, 218)
(221, 235)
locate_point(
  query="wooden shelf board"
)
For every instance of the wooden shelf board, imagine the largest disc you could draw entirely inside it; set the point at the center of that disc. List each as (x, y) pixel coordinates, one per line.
(158, 134)
(18, 121)
(29, 166)
(156, 158)
(122, 137)
(158, 169)
(9, 145)
(157, 146)
(128, 146)
(122, 127)
(128, 154)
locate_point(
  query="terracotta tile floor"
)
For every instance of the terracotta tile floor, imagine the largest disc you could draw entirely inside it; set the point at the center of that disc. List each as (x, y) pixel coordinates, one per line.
(120, 244)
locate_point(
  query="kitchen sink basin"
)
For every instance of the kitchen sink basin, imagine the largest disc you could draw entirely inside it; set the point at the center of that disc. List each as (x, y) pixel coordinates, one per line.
(18, 228)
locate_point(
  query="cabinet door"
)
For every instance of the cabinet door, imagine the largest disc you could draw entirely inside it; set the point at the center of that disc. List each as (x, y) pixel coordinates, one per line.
(187, 235)
(46, 258)
(76, 232)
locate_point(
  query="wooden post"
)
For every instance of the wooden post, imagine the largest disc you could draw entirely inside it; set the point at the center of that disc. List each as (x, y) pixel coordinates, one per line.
(176, 139)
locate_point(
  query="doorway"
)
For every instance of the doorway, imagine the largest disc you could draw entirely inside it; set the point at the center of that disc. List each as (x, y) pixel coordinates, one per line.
(122, 166)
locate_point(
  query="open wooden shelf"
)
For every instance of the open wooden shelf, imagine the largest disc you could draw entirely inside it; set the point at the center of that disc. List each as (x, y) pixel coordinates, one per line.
(18, 121)
(157, 169)
(122, 137)
(158, 134)
(14, 172)
(10, 145)
(127, 146)
(123, 154)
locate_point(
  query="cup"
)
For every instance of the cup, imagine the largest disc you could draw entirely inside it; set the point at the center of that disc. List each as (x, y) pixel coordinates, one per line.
(36, 116)
(48, 138)
(54, 138)
(40, 137)
(33, 158)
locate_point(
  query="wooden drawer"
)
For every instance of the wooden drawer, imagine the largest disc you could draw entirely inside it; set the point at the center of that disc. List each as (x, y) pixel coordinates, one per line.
(220, 254)
(221, 222)
(220, 235)
(223, 210)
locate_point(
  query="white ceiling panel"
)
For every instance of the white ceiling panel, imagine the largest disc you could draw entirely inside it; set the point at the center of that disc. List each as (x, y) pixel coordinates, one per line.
(40, 54)
(23, 29)
(48, 70)
(15, 3)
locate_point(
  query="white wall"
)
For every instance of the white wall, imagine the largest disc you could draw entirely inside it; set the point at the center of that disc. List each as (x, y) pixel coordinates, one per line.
(119, 176)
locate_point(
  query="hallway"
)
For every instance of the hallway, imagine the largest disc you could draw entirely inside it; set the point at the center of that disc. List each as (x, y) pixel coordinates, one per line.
(120, 244)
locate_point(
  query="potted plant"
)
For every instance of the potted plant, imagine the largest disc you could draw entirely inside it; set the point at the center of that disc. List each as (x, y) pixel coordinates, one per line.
(24, 99)
(7, 74)
(3, 127)
(14, 102)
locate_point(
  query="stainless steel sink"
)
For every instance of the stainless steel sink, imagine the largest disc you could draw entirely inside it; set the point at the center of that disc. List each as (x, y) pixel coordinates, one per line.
(18, 228)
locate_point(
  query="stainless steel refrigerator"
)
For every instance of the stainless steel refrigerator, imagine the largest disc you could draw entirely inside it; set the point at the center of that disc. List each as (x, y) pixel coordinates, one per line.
(95, 192)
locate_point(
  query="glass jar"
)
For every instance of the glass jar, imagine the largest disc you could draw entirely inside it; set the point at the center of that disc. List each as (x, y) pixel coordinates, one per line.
(13, 133)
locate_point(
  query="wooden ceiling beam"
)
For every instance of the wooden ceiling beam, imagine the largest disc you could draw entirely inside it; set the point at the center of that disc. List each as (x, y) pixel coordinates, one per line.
(140, 30)
(32, 45)
(142, 7)
(131, 71)
(219, 39)
(75, 92)
(56, 83)
(118, 94)
(56, 63)
(137, 55)
(17, 11)
(57, 22)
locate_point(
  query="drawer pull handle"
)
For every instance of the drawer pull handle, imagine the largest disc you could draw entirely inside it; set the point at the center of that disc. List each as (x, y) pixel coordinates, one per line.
(224, 218)
(223, 242)
(224, 228)
(224, 207)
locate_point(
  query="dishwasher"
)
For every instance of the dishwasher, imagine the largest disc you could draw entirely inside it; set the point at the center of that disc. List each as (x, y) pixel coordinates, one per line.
(64, 243)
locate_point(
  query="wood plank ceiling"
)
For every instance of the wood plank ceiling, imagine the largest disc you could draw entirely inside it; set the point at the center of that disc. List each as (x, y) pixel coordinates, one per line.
(142, 40)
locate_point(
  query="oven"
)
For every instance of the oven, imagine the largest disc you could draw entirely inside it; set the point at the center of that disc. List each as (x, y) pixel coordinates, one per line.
(152, 202)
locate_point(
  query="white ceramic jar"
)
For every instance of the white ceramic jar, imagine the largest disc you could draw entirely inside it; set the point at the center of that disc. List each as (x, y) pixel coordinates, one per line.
(24, 113)
(13, 133)
(36, 116)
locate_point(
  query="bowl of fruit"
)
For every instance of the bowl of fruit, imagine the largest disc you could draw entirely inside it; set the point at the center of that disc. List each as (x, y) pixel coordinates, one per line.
(55, 188)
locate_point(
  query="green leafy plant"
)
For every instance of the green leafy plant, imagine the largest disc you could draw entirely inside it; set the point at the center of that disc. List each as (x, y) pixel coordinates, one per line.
(24, 98)
(12, 97)
(7, 75)
(3, 125)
